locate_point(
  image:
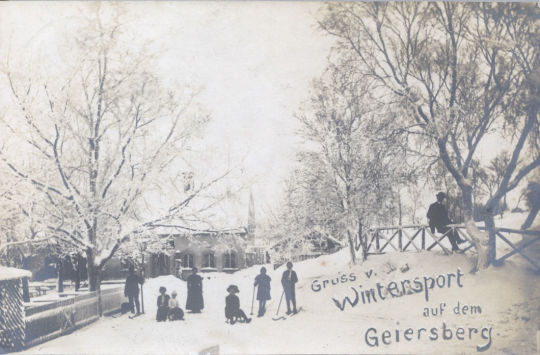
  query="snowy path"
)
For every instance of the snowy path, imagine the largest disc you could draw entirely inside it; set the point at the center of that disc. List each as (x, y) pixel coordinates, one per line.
(508, 297)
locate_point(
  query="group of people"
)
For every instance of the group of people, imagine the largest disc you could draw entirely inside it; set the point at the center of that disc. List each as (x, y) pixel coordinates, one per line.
(168, 306)
(234, 313)
(288, 281)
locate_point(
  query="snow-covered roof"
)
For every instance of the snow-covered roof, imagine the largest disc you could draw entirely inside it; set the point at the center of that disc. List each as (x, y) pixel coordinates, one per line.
(10, 273)
(179, 230)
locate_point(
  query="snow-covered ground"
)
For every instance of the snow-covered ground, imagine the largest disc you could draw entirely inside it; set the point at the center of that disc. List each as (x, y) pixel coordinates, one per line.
(508, 296)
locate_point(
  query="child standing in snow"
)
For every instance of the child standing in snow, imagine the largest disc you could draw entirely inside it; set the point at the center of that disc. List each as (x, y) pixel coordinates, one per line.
(289, 280)
(163, 305)
(232, 306)
(175, 312)
(262, 281)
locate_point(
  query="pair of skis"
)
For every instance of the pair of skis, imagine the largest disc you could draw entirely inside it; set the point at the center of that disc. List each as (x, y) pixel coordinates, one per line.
(279, 305)
(130, 317)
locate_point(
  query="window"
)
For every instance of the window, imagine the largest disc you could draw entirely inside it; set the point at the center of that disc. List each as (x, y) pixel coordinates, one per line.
(187, 261)
(208, 260)
(229, 260)
(124, 263)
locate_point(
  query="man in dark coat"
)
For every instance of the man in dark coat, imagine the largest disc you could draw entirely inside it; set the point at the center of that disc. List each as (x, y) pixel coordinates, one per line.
(131, 289)
(262, 281)
(288, 280)
(194, 301)
(438, 219)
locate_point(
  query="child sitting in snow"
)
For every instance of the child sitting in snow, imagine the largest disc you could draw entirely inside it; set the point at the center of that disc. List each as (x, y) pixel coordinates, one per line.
(163, 305)
(175, 312)
(232, 306)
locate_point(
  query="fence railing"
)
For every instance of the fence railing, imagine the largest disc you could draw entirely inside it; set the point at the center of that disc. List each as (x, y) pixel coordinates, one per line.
(52, 319)
(419, 237)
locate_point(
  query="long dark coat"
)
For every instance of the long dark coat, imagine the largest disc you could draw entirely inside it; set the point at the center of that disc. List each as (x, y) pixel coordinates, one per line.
(288, 280)
(131, 287)
(438, 217)
(194, 300)
(263, 290)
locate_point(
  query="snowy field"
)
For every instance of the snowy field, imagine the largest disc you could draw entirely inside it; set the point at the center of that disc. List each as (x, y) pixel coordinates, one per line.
(508, 296)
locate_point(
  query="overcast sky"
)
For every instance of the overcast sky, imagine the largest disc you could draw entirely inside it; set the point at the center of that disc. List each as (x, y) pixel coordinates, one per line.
(254, 61)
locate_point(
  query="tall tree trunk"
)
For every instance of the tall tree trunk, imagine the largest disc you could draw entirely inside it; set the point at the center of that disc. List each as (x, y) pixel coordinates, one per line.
(363, 240)
(91, 270)
(530, 217)
(94, 277)
(478, 238)
(489, 222)
(351, 247)
(60, 274)
(77, 266)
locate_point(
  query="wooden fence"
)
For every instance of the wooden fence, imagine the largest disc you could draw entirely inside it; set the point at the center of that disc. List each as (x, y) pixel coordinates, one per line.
(419, 237)
(11, 315)
(52, 319)
(11, 308)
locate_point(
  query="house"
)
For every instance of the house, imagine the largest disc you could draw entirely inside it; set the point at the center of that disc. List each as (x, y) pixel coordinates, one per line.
(222, 251)
(208, 251)
(310, 246)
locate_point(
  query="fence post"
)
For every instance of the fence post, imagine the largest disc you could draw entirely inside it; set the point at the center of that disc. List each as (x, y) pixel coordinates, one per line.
(25, 290)
(423, 238)
(377, 243)
(400, 238)
(492, 247)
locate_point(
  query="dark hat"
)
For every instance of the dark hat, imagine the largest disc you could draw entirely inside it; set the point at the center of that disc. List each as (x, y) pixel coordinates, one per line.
(233, 288)
(441, 195)
(162, 289)
(263, 270)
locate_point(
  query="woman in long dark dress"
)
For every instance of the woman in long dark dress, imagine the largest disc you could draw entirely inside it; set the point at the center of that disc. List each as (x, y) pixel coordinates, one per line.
(194, 302)
(262, 281)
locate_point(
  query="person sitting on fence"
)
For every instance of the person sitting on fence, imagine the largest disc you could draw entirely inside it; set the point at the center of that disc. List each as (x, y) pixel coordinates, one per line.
(232, 306)
(163, 305)
(438, 218)
(131, 289)
(175, 312)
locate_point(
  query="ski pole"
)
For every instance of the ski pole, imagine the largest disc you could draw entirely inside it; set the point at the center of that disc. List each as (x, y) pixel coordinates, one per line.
(252, 300)
(281, 299)
(142, 285)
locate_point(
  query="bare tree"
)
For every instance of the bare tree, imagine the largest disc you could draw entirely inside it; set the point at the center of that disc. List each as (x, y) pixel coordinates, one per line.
(106, 132)
(349, 173)
(464, 72)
